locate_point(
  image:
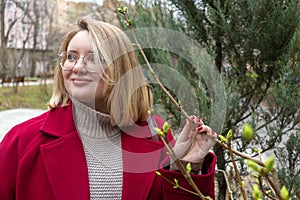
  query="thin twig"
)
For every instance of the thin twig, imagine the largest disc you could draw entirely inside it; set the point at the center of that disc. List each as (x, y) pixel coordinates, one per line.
(178, 186)
(245, 156)
(263, 191)
(170, 150)
(227, 182)
(183, 112)
(172, 99)
(236, 171)
(277, 192)
(186, 175)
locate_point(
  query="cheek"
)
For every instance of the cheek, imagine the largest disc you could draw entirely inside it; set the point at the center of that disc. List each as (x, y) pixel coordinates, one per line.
(65, 74)
(66, 77)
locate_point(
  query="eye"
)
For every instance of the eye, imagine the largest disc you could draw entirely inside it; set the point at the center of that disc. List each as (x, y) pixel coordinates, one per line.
(71, 57)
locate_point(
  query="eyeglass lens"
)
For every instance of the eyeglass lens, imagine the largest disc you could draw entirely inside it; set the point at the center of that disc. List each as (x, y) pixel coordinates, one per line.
(69, 59)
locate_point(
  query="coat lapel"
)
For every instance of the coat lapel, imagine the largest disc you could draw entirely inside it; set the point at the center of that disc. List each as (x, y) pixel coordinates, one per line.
(140, 161)
(65, 163)
(64, 157)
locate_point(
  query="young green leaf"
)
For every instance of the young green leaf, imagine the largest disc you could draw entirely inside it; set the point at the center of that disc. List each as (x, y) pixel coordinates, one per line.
(248, 132)
(158, 131)
(284, 194)
(256, 193)
(222, 138)
(254, 166)
(176, 183)
(166, 127)
(269, 164)
(229, 134)
(188, 168)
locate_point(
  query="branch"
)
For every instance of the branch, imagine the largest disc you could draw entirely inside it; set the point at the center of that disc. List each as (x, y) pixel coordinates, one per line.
(273, 186)
(236, 171)
(177, 185)
(263, 191)
(227, 182)
(186, 175)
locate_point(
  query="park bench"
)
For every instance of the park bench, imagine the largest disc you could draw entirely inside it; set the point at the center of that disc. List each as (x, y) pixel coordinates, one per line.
(16, 80)
(6, 80)
(19, 79)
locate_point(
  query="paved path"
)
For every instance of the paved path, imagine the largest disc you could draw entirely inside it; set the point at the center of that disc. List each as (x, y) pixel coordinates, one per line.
(10, 118)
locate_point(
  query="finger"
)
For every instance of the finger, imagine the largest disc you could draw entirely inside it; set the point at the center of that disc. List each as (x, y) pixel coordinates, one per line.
(204, 129)
(184, 135)
(182, 148)
(206, 138)
(198, 121)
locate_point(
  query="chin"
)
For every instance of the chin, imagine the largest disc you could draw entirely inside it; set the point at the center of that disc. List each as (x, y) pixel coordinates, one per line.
(86, 99)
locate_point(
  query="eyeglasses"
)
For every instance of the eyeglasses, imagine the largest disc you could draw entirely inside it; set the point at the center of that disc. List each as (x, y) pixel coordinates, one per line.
(67, 60)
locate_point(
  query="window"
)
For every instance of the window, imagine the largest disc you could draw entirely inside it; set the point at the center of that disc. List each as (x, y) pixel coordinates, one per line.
(10, 43)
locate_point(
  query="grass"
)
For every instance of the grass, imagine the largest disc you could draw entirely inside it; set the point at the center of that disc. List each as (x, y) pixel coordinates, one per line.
(35, 96)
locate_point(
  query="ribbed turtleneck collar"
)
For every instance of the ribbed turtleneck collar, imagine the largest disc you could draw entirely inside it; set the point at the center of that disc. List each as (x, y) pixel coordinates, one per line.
(92, 123)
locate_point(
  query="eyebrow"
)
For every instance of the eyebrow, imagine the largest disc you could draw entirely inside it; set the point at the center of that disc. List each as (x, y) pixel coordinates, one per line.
(77, 52)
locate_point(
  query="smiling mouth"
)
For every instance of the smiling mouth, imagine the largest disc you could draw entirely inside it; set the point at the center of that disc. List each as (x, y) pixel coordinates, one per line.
(81, 80)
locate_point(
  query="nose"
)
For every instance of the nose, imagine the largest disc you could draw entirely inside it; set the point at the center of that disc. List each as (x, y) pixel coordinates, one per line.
(79, 66)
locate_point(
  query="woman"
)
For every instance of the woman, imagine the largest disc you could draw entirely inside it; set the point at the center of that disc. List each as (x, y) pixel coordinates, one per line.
(97, 140)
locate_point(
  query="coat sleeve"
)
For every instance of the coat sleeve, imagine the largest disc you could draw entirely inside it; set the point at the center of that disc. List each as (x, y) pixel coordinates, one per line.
(9, 154)
(204, 181)
(12, 149)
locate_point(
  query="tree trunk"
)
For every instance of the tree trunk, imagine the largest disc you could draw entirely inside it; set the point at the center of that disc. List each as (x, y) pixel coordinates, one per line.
(219, 151)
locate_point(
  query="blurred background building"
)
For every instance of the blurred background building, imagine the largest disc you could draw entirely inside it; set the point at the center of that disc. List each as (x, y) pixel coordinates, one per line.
(31, 31)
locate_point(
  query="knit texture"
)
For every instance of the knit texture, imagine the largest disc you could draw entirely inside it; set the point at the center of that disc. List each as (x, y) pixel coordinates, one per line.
(102, 147)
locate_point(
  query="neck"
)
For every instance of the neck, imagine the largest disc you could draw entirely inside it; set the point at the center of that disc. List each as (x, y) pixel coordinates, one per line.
(91, 122)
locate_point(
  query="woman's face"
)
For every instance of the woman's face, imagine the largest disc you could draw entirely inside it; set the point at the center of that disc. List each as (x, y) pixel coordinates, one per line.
(85, 86)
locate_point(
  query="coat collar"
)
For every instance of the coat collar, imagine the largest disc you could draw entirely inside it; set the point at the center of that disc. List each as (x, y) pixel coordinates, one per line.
(60, 121)
(64, 161)
(66, 165)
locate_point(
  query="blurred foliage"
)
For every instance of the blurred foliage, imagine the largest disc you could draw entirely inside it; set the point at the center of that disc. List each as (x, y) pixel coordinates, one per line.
(255, 46)
(289, 160)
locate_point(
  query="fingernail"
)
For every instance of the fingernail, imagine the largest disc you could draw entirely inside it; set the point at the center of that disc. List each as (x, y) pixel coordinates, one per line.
(199, 128)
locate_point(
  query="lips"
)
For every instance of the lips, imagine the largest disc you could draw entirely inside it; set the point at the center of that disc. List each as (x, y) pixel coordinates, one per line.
(81, 80)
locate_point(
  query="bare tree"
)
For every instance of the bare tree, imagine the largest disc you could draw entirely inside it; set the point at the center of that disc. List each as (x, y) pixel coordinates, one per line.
(29, 33)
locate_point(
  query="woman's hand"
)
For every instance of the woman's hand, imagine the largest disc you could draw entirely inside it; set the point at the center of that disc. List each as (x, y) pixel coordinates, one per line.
(194, 141)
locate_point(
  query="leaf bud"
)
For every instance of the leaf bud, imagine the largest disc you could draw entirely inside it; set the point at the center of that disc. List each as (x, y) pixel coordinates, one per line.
(248, 132)
(254, 166)
(284, 194)
(256, 193)
(120, 10)
(129, 22)
(229, 134)
(166, 127)
(269, 164)
(158, 131)
(188, 168)
(176, 183)
(223, 139)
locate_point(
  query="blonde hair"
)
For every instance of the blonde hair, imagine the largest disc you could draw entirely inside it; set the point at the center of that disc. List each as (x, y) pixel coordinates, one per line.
(127, 96)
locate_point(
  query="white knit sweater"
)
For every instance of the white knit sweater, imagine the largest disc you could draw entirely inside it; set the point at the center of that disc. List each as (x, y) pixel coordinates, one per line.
(102, 147)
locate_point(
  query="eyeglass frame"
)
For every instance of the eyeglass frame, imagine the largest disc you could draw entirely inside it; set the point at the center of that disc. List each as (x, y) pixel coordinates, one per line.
(60, 60)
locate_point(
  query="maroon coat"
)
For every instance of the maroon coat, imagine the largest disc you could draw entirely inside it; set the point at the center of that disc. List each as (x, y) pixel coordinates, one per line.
(43, 158)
